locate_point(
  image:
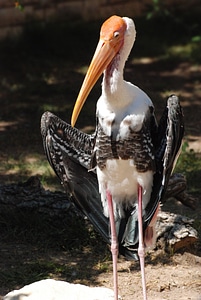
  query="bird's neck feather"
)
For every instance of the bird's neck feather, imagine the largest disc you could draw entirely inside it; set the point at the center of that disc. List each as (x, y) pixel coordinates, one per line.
(113, 81)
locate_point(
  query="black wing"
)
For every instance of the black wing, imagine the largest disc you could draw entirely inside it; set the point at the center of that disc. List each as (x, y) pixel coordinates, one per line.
(69, 152)
(167, 142)
(169, 138)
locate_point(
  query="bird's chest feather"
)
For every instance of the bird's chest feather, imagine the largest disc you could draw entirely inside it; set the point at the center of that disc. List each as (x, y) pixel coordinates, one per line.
(126, 139)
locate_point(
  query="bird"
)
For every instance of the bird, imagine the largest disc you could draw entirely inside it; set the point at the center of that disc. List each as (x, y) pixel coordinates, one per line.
(121, 171)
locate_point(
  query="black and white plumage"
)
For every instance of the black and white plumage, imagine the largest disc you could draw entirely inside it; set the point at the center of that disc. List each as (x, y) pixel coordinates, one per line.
(69, 152)
(133, 156)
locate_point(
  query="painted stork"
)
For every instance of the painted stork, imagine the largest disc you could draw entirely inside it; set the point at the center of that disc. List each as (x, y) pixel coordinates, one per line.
(130, 154)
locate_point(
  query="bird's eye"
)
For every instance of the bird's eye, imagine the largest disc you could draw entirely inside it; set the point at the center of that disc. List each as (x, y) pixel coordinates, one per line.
(116, 34)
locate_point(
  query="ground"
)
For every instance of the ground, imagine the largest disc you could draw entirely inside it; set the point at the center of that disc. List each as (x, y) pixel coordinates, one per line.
(37, 75)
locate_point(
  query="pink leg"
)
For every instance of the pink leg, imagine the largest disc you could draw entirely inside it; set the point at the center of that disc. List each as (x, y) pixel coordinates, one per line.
(114, 244)
(141, 251)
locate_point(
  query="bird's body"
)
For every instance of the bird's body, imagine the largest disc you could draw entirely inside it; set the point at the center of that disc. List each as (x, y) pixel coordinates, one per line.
(129, 149)
(124, 152)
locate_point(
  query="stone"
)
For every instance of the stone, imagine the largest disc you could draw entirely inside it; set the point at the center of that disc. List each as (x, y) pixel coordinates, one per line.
(50, 289)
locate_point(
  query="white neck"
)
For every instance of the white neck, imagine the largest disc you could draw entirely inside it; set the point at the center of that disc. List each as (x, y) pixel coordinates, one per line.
(113, 86)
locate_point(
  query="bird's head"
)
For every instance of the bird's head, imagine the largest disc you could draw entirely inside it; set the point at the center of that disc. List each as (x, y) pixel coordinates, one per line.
(111, 41)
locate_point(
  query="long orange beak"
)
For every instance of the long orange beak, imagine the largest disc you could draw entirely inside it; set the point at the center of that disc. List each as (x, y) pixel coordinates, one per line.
(111, 41)
(103, 55)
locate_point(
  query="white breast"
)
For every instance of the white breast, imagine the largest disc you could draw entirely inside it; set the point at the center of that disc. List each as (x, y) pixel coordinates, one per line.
(129, 106)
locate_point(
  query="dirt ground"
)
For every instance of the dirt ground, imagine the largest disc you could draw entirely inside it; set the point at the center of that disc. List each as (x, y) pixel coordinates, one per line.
(172, 280)
(169, 277)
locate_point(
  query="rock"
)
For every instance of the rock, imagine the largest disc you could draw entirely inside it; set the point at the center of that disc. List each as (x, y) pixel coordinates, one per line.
(50, 289)
(174, 231)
